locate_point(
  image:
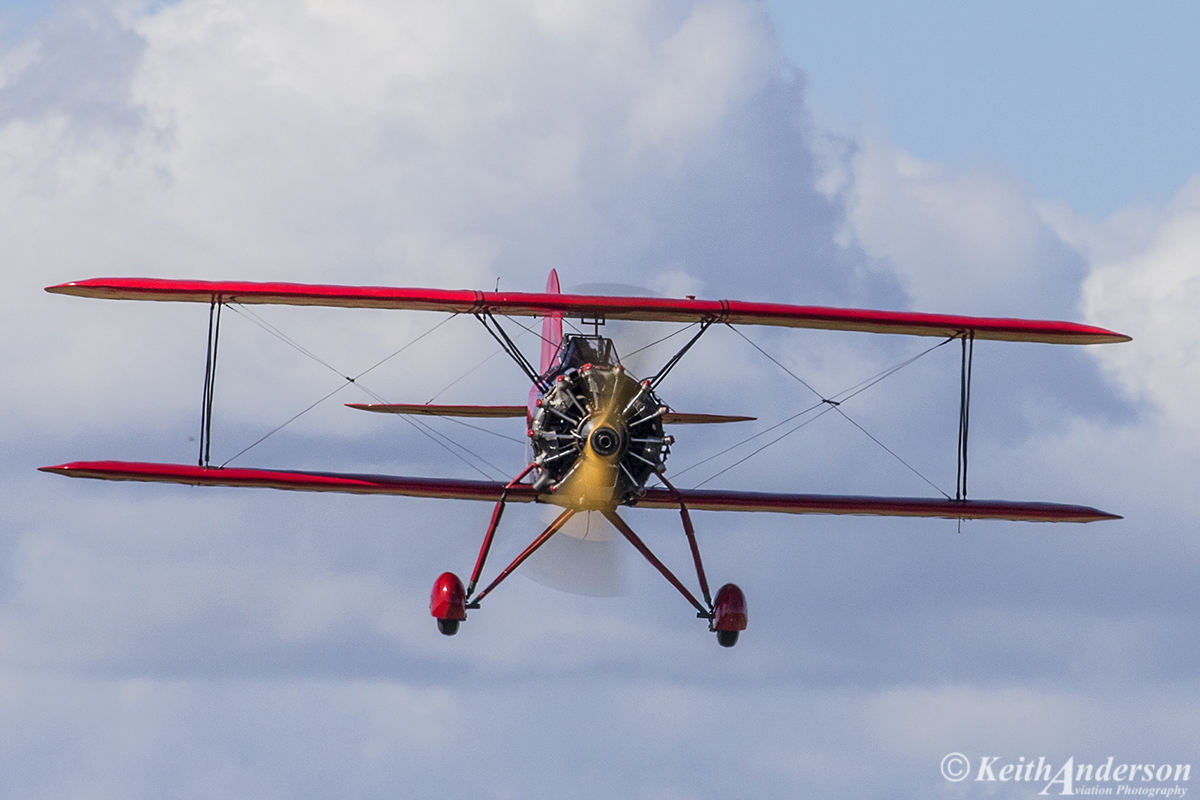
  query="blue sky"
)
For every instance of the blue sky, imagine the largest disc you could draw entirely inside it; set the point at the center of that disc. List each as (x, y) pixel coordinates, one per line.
(159, 641)
(1089, 103)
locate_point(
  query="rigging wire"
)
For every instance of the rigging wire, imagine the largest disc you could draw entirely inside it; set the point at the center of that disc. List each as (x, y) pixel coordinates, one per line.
(424, 428)
(830, 404)
(458, 421)
(840, 397)
(663, 339)
(446, 388)
(526, 328)
(490, 356)
(278, 334)
(749, 439)
(509, 346)
(278, 428)
(437, 436)
(747, 457)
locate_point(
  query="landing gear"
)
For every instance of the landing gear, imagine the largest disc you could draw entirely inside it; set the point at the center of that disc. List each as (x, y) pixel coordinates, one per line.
(729, 615)
(726, 614)
(448, 603)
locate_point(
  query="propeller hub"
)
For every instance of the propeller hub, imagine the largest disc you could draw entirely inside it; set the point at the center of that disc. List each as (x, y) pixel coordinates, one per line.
(605, 441)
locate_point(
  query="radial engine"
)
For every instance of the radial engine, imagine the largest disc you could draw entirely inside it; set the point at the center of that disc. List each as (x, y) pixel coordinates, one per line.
(597, 432)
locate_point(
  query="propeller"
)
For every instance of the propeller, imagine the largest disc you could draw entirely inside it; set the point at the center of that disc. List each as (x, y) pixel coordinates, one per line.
(586, 557)
(592, 481)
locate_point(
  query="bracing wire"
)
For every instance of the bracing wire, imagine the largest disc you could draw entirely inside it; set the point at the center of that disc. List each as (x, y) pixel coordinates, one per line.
(509, 346)
(437, 436)
(489, 357)
(278, 428)
(423, 428)
(526, 328)
(663, 339)
(481, 429)
(446, 388)
(750, 455)
(830, 404)
(283, 337)
(749, 439)
(840, 397)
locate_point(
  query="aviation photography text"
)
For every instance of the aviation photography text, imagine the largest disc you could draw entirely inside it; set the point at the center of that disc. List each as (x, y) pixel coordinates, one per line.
(1071, 777)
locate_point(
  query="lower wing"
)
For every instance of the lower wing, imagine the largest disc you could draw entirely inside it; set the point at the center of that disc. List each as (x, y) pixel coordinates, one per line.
(697, 500)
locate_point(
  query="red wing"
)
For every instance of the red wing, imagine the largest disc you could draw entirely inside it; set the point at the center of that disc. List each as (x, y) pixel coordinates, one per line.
(699, 500)
(288, 479)
(716, 500)
(659, 309)
(440, 411)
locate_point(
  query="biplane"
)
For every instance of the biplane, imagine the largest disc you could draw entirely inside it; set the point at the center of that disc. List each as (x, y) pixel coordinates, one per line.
(597, 433)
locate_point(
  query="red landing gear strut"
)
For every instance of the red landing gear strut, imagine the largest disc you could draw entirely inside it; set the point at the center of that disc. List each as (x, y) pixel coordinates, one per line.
(726, 615)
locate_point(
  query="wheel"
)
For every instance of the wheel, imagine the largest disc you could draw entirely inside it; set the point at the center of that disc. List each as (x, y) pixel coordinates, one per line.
(450, 627)
(727, 638)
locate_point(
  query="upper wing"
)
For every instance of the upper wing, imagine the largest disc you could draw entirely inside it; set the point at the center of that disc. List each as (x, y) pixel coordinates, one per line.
(660, 309)
(699, 500)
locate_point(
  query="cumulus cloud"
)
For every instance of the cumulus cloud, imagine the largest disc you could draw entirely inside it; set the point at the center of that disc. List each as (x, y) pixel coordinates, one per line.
(1153, 292)
(971, 241)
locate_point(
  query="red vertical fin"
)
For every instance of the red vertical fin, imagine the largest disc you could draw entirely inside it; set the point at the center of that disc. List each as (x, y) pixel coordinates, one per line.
(551, 327)
(551, 339)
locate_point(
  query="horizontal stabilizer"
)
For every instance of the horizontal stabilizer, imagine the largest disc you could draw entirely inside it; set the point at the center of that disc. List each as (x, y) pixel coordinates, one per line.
(696, 499)
(677, 418)
(425, 409)
(647, 309)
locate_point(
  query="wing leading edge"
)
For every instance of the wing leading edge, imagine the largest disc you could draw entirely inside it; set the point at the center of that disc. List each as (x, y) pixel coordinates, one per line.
(698, 500)
(649, 309)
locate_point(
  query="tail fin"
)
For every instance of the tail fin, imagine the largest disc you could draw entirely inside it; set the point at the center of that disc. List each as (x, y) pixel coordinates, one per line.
(551, 339)
(551, 327)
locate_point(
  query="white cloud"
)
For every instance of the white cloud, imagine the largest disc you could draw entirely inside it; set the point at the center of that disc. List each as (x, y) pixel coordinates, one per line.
(968, 241)
(1153, 293)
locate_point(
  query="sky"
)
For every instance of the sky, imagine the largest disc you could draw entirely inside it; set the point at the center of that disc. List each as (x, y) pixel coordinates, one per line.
(173, 641)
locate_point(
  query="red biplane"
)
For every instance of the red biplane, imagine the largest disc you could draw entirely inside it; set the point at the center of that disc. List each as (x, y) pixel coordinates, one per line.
(597, 432)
